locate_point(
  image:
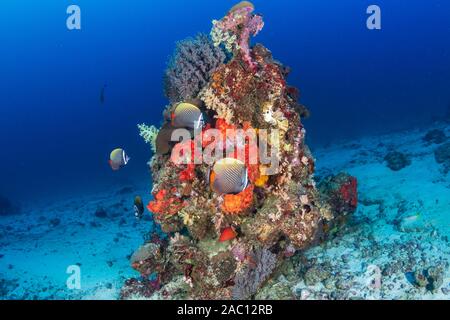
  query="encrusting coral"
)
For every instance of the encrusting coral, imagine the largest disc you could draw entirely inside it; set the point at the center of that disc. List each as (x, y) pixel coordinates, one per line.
(236, 28)
(226, 246)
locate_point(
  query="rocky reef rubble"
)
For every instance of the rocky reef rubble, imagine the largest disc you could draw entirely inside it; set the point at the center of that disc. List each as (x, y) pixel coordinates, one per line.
(435, 136)
(228, 246)
(6, 286)
(431, 278)
(396, 161)
(359, 264)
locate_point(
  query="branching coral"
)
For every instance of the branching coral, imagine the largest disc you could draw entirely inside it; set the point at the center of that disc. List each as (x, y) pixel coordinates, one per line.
(190, 68)
(216, 104)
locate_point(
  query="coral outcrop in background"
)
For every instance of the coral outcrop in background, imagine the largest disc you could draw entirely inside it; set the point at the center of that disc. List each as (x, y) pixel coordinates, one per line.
(227, 246)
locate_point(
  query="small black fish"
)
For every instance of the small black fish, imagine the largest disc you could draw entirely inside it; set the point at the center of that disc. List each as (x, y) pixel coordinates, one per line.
(102, 94)
(138, 208)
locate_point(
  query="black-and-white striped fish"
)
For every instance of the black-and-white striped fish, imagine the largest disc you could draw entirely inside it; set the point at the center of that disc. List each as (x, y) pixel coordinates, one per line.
(228, 176)
(187, 115)
(118, 159)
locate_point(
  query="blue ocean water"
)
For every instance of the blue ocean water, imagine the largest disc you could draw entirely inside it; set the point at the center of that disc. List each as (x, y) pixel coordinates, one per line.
(56, 135)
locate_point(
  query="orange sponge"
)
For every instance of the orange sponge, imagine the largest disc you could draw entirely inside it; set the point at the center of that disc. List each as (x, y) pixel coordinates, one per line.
(235, 204)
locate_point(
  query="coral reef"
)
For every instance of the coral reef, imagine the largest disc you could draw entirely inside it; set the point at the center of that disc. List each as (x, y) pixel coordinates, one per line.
(396, 161)
(435, 136)
(431, 279)
(6, 286)
(190, 68)
(135, 289)
(227, 246)
(235, 30)
(254, 275)
(341, 195)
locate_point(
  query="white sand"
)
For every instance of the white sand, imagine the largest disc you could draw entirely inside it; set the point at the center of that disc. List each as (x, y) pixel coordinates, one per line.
(37, 254)
(373, 237)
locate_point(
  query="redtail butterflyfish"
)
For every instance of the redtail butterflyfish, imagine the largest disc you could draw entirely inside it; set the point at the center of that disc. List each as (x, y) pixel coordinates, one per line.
(118, 159)
(187, 115)
(228, 176)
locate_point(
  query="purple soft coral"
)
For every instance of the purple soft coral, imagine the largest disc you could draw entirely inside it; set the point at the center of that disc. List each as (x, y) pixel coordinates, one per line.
(253, 27)
(190, 68)
(242, 24)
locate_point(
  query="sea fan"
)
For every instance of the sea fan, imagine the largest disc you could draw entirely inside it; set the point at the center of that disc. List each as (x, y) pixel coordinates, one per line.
(190, 68)
(248, 281)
